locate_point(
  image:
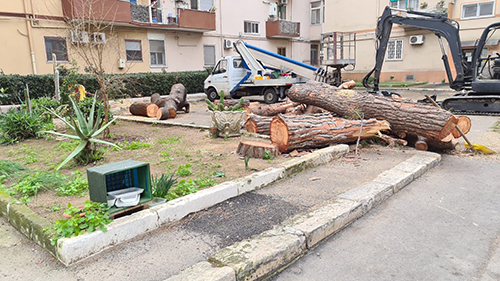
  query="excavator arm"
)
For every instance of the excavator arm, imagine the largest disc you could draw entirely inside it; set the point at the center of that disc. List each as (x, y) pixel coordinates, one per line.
(440, 25)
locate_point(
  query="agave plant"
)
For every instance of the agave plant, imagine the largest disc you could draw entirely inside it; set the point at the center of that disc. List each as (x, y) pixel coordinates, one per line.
(86, 129)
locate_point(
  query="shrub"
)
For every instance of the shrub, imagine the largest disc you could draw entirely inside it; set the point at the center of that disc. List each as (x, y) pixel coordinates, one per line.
(124, 85)
(17, 125)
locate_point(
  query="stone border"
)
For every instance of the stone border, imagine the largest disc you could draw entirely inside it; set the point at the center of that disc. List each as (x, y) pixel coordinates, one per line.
(267, 253)
(72, 250)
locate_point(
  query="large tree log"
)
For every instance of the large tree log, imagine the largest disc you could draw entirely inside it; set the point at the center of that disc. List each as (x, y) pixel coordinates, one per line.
(270, 109)
(256, 149)
(405, 116)
(258, 124)
(289, 132)
(143, 109)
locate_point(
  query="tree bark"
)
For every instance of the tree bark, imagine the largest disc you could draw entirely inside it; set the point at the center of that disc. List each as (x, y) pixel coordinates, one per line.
(256, 149)
(405, 116)
(289, 132)
(258, 124)
(155, 97)
(270, 109)
(143, 109)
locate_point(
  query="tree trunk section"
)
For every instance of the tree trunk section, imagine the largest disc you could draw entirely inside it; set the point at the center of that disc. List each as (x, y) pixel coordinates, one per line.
(258, 124)
(405, 116)
(289, 132)
(256, 149)
(166, 113)
(143, 109)
(270, 109)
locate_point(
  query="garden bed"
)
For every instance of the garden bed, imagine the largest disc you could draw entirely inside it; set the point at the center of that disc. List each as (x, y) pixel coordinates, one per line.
(188, 152)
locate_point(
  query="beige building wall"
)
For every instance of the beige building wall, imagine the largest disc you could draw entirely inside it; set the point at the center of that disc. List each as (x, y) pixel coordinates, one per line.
(184, 49)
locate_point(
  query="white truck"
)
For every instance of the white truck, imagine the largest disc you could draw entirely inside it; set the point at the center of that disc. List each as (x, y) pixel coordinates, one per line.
(258, 72)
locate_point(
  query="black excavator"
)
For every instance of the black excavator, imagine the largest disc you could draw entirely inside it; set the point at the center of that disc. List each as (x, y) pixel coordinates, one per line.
(478, 80)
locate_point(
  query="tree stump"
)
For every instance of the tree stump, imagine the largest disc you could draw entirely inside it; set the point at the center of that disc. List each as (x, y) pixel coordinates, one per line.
(257, 149)
(258, 124)
(289, 132)
(143, 109)
(405, 116)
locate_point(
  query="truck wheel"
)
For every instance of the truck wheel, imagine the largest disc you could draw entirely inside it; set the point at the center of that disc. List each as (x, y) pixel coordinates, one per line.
(212, 94)
(270, 96)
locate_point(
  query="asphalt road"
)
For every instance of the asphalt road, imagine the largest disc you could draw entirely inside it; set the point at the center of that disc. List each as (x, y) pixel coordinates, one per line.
(443, 226)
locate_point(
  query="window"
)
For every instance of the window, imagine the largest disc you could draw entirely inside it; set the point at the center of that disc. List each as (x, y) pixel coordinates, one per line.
(133, 50)
(398, 4)
(282, 12)
(316, 12)
(56, 45)
(314, 54)
(412, 5)
(221, 67)
(282, 52)
(238, 63)
(157, 52)
(209, 55)
(468, 54)
(395, 49)
(477, 10)
(251, 27)
(194, 4)
(206, 5)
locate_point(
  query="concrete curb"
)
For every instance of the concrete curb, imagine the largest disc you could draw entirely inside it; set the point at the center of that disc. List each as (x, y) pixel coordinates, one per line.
(72, 250)
(267, 253)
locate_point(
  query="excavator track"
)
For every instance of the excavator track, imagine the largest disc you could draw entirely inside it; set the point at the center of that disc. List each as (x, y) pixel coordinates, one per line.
(473, 105)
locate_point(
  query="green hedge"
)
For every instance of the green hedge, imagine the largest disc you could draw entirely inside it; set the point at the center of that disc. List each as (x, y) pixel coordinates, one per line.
(127, 85)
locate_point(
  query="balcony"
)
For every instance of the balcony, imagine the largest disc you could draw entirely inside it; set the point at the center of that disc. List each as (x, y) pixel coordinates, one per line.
(124, 13)
(282, 29)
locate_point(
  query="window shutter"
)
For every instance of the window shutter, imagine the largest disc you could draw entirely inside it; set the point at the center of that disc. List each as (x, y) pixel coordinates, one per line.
(209, 55)
(156, 46)
(132, 45)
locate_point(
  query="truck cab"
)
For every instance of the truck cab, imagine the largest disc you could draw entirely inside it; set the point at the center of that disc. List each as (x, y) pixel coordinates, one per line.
(226, 76)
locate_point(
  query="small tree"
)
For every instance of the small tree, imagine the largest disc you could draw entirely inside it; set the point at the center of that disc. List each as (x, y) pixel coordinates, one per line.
(94, 40)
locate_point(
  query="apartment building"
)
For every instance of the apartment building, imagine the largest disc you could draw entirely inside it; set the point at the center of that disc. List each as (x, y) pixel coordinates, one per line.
(412, 54)
(152, 35)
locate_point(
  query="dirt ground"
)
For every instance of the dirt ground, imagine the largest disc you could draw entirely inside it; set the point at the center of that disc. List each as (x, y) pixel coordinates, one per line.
(168, 147)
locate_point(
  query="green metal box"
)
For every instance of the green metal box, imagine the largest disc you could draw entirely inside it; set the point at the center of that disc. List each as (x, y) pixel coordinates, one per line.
(116, 176)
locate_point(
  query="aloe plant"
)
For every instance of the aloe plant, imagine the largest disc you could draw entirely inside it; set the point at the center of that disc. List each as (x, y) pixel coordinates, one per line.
(86, 129)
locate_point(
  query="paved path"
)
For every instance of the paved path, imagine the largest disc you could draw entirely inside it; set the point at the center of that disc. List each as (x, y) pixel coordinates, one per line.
(443, 226)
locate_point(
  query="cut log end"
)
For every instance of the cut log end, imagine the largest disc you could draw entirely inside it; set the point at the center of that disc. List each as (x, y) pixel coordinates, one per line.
(464, 124)
(152, 110)
(256, 149)
(166, 113)
(279, 134)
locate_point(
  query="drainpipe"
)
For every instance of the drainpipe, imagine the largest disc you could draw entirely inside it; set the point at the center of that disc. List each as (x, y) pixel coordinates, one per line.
(30, 37)
(221, 34)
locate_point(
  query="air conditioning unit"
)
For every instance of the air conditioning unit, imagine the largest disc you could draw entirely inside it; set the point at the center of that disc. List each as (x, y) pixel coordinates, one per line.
(98, 37)
(81, 37)
(228, 44)
(416, 40)
(282, 2)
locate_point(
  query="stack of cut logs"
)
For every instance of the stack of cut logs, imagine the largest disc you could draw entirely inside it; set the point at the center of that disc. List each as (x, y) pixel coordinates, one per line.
(163, 108)
(308, 120)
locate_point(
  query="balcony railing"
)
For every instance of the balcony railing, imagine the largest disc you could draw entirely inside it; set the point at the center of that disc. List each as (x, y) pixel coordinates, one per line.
(137, 15)
(282, 29)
